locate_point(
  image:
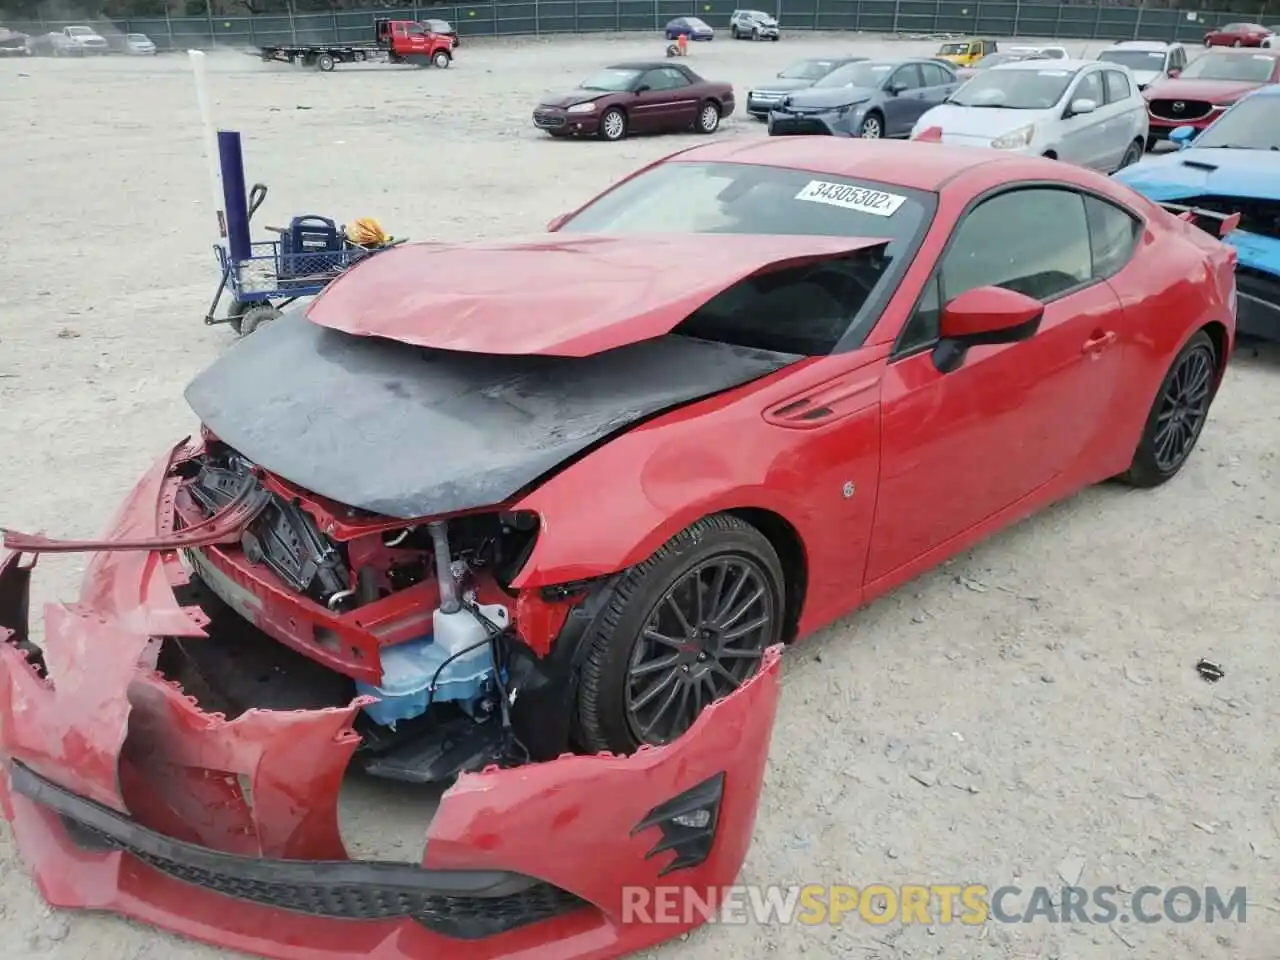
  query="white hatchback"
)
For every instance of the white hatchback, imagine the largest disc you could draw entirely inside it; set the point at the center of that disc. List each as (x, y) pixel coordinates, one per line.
(1083, 112)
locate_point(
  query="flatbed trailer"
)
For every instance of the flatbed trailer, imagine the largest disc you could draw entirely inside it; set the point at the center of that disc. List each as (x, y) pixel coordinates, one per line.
(395, 41)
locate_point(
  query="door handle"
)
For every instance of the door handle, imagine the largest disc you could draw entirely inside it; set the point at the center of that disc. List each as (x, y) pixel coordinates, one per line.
(1098, 342)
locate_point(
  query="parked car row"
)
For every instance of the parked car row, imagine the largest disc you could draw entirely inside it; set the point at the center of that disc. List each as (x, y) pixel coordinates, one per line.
(743, 25)
(84, 41)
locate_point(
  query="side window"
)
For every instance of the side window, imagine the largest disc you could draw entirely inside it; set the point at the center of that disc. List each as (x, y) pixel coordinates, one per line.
(1117, 85)
(1113, 236)
(907, 77)
(674, 78)
(1003, 243)
(1089, 87)
(655, 80)
(417, 30)
(934, 75)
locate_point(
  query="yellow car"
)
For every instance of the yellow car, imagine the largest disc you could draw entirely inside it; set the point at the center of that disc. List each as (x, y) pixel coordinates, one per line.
(965, 53)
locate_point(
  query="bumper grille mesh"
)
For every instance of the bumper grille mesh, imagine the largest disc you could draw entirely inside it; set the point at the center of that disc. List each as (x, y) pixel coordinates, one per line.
(462, 918)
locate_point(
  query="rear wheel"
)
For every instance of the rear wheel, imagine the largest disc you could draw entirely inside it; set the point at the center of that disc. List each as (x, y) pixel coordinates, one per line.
(1178, 415)
(325, 62)
(1237, 43)
(256, 316)
(708, 118)
(1131, 155)
(682, 629)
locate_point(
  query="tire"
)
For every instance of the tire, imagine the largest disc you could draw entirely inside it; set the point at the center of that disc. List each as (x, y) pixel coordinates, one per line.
(613, 125)
(1237, 43)
(441, 60)
(1151, 143)
(1208, 42)
(256, 316)
(872, 127)
(1132, 154)
(735, 33)
(325, 63)
(775, 38)
(708, 121)
(755, 34)
(610, 710)
(236, 311)
(1149, 467)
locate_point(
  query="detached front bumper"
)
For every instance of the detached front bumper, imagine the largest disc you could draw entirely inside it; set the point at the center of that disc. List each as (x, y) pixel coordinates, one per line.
(124, 796)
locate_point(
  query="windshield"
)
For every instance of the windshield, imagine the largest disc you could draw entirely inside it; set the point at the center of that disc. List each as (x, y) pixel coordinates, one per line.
(953, 49)
(138, 37)
(807, 70)
(1249, 67)
(856, 75)
(696, 23)
(1140, 60)
(1014, 89)
(1252, 124)
(743, 198)
(612, 80)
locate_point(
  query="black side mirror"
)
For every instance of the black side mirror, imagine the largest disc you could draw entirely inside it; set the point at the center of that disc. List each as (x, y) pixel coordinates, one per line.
(896, 88)
(643, 88)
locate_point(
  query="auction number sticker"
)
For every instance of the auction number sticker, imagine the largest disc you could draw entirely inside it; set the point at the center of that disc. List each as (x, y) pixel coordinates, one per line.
(862, 199)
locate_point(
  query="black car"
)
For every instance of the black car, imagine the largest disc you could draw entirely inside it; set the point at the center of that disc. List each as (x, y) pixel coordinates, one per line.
(801, 74)
(872, 99)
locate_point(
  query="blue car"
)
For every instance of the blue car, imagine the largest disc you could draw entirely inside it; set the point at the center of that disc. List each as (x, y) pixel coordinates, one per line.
(1232, 167)
(690, 27)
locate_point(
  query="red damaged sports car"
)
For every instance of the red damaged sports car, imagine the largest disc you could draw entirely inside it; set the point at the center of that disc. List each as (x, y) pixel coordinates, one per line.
(532, 517)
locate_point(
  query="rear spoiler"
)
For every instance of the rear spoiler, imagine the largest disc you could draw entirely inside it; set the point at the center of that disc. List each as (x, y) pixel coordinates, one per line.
(1210, 221)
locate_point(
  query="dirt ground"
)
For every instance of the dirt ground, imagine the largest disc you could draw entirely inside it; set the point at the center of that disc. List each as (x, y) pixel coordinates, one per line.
(1044, 686)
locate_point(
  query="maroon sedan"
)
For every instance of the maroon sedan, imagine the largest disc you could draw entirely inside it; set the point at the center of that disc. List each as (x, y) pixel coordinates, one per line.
(1237, 35)
(641, 97)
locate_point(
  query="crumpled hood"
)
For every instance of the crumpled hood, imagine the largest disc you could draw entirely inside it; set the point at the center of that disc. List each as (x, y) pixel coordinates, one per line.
(569, 98)
(570, 295)
(1215, 91)
(984, 122)
(829, 97)
(1238, 173)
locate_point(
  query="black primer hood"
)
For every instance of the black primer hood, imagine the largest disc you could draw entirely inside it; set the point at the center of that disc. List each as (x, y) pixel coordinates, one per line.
(408, 432)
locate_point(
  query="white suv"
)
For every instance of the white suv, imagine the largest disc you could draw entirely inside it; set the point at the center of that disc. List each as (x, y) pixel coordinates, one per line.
(1147, 60)
(1080, 111)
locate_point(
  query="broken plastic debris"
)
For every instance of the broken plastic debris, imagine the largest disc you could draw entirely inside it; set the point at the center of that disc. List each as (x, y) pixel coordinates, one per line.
(1210, 671)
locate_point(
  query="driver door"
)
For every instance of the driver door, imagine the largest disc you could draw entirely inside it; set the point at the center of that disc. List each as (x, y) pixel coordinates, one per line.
(651, 108)
(960, 447)
(1084, 135)
(903, 103)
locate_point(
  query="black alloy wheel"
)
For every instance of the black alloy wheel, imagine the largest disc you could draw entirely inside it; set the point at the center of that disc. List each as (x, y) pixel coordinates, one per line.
(1184, 404)
(702, 639)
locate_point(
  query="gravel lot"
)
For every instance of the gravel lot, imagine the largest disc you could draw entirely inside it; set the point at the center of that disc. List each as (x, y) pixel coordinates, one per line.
(1049, 674)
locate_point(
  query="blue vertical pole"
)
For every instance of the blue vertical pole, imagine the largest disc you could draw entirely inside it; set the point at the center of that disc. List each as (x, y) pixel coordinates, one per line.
(231, 160)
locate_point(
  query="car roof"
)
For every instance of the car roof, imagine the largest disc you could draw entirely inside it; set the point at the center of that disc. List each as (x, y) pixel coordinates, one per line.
(904, 163)
(1143, 45)
(644, 64)
(1047, 64)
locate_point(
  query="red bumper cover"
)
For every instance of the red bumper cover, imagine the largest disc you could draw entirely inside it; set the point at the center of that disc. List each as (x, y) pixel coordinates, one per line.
(123, 795)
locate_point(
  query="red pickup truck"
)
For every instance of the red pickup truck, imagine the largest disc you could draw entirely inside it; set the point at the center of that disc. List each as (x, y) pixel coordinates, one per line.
(400, 41)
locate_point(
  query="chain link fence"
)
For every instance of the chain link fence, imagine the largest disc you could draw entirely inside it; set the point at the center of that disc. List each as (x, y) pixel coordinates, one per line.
(919, 18)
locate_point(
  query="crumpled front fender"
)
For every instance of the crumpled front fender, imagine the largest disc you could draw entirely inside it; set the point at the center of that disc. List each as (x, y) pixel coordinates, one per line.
(94, 722)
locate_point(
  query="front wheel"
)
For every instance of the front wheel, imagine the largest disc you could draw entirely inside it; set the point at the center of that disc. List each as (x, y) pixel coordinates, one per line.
(325, 63)
(708, 118)
(441, 59)
(682, 629)
(755, 33)
(1178, 415)
(871, 127)
(613, 125)
(1237, 44)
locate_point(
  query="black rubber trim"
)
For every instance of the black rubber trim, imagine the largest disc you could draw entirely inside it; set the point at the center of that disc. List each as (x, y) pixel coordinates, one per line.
(462, 904)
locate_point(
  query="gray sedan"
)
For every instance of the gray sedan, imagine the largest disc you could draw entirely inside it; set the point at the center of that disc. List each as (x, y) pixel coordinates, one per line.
(799, 75)
(872, 99)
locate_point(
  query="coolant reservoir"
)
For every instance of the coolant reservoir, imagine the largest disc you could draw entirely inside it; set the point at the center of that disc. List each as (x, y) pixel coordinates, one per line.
(453, 633)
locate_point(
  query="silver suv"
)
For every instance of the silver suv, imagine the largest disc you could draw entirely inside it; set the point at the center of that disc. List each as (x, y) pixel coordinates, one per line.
(753, 25)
